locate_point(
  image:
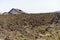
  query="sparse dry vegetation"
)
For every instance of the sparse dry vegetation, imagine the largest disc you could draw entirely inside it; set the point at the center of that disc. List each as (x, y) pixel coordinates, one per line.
(30, 26)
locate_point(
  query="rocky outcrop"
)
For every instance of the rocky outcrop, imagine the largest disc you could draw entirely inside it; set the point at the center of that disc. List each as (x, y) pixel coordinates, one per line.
(16, 11)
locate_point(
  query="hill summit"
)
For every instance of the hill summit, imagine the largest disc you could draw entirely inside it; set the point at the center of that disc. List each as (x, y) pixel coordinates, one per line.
(15, 11)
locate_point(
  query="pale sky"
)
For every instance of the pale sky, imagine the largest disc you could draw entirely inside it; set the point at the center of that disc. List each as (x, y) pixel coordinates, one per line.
(30, 6)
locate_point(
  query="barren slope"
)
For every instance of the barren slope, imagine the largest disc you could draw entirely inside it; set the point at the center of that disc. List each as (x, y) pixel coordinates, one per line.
(30, 26)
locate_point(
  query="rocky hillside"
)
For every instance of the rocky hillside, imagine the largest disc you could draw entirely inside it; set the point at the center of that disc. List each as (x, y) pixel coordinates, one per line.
(44, 26)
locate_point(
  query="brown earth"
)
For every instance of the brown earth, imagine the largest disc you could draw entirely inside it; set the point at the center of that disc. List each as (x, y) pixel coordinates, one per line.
(28, 26)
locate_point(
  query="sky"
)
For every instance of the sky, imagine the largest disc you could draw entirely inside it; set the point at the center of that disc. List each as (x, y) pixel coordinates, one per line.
(30, 6)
